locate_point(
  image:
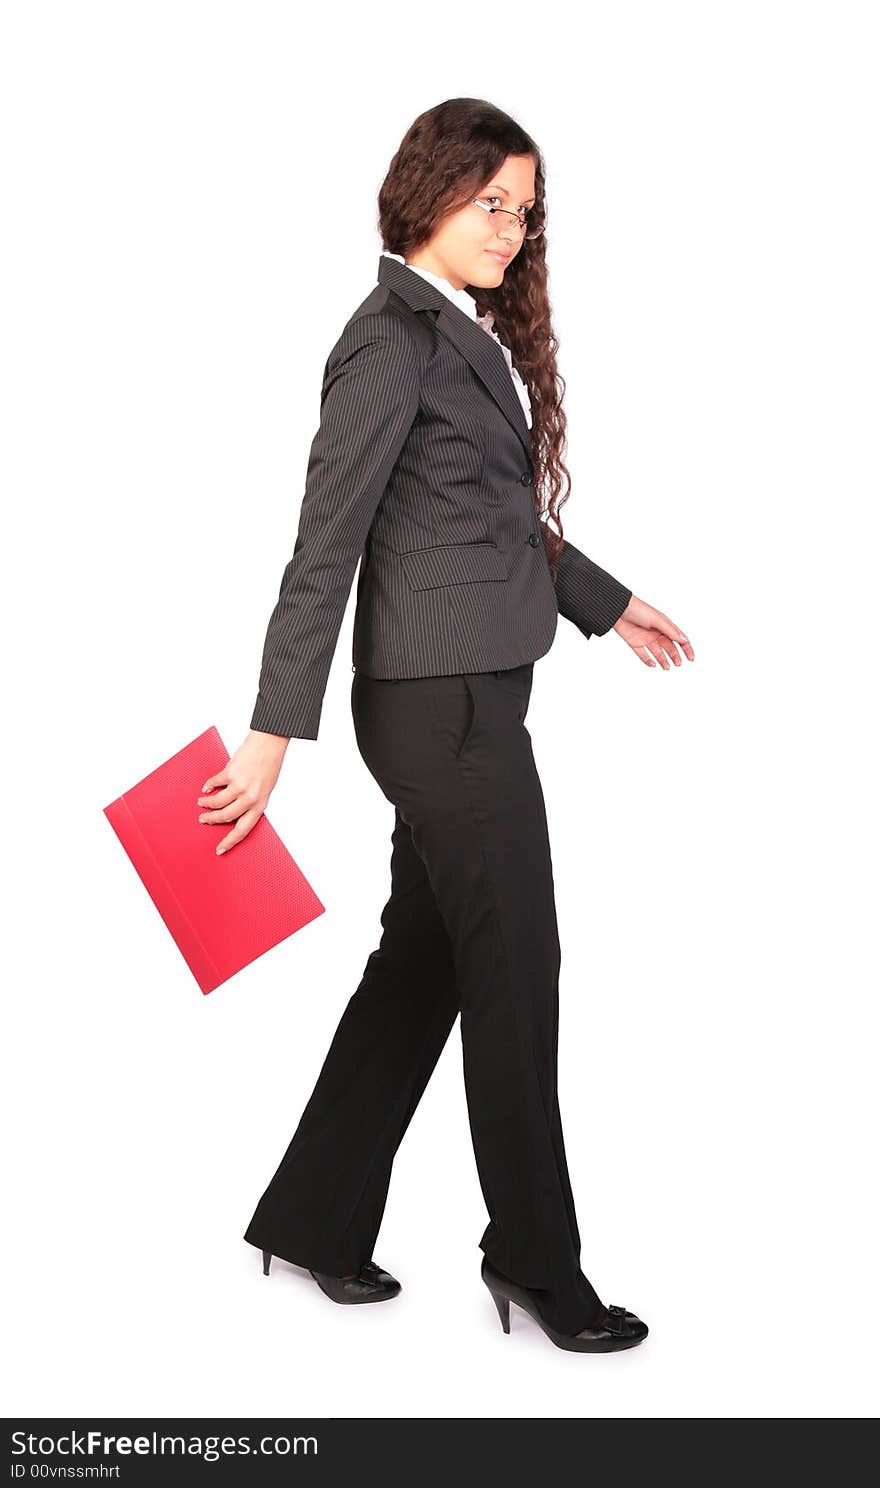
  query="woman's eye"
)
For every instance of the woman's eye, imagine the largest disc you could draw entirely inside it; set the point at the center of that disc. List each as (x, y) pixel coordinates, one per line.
(523, 211)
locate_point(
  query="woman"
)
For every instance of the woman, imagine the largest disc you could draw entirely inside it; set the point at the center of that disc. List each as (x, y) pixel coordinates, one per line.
(441, 431)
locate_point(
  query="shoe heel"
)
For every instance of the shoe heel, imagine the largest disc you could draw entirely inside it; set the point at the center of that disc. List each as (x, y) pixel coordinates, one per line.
(267, 1257)
(503, 1305)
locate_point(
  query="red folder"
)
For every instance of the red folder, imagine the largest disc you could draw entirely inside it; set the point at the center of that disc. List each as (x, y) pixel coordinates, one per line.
(223, 910)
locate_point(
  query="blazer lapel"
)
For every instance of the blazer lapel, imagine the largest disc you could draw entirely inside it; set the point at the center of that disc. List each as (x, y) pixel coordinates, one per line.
(481, 350)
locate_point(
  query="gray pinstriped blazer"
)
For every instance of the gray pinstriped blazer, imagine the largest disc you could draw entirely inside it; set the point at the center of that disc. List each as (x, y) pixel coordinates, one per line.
(422, 469)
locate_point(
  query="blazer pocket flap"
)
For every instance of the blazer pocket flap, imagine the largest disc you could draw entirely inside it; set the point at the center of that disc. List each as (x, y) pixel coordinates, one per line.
(454, 563)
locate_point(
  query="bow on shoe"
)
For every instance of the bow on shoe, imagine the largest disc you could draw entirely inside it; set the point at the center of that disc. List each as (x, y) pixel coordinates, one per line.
(615, 1322)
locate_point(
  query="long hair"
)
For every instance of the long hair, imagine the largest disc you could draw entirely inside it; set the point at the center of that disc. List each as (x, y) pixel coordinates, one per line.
(443, 161)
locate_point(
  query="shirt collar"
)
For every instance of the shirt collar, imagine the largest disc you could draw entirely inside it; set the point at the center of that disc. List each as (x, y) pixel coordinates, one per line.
(460, 297)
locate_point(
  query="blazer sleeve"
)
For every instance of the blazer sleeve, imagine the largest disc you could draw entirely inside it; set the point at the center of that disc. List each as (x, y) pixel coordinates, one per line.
(587, 595)
(369, 401)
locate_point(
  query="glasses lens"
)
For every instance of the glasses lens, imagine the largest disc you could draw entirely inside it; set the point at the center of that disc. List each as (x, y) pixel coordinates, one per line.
(526, 222)
(531, 231)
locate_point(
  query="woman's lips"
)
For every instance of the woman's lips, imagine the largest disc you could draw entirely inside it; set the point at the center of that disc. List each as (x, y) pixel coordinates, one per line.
(501, 257)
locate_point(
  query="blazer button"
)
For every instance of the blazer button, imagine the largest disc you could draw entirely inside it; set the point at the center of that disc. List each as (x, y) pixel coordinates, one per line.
(534, 539)
(526, 478)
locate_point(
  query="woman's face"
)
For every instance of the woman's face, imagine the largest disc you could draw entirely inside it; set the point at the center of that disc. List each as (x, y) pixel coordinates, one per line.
(473, 246)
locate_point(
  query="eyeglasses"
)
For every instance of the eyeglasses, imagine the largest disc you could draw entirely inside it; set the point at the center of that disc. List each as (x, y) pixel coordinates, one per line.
(521, 218)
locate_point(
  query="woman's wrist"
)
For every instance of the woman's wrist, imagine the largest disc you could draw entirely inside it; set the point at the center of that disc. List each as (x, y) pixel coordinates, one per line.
(275, 744)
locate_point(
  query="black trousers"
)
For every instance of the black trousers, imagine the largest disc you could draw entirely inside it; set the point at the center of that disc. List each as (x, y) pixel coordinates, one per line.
(470, 927)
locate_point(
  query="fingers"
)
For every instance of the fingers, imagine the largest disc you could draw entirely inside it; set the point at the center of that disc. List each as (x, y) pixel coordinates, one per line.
(666, 647)
(656, 639)
(221, 778)
(674, 633)
(244, 825)
(237, 804)
(662, 644)
(219, 799)
(656, 650)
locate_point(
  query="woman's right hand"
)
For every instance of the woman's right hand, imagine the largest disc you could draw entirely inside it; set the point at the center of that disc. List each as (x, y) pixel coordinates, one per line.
(241, 790)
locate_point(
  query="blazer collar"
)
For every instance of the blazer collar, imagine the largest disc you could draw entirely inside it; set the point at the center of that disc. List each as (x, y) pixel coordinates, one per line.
(481, 350)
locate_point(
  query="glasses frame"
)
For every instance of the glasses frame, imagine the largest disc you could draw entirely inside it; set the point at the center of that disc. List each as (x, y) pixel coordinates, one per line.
(522, 221)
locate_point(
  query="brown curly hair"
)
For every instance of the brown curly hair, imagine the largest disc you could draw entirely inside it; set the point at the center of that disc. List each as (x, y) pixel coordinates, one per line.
(444, 160)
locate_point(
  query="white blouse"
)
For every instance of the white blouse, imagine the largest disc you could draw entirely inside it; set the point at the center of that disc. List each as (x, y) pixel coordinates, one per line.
(468, 304)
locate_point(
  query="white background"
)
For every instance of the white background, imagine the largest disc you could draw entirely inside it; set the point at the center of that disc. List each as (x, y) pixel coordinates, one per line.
(190, 201)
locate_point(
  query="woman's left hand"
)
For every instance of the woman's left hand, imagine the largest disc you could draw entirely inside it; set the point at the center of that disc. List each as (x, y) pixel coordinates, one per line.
(652, 634)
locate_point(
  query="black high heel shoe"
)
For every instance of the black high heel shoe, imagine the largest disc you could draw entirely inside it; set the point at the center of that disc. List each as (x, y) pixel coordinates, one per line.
(371, 1284)
(619, 1329)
